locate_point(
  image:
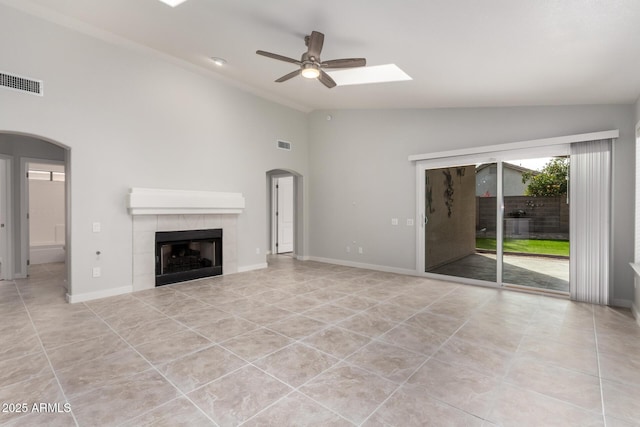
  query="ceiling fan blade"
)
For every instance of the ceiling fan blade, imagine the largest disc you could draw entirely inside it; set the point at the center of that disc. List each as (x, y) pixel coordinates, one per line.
(278, 57)
(288, 76)
(316, 40)
(326, 80)
(344, 63)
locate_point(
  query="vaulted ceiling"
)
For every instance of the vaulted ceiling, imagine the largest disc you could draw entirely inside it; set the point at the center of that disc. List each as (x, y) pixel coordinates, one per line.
(460, 53)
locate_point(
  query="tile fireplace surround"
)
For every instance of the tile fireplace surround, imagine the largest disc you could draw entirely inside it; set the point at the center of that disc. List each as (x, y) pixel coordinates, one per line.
(173, 210)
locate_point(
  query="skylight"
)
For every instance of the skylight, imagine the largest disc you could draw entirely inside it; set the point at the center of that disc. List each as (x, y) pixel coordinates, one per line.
(173, 3)
(366, 75)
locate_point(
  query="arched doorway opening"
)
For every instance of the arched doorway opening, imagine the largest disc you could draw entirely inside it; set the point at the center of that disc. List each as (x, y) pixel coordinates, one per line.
(285, 213)
(34, 233)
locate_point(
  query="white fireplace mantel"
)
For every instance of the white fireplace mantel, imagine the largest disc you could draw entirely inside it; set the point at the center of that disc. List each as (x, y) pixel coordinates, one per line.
(151, 201)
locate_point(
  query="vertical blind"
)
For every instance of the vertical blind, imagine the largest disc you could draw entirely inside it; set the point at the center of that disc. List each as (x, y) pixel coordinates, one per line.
(590, 194)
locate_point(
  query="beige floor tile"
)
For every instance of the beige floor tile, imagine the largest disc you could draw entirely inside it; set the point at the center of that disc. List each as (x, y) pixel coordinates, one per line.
(391, 312)
(151, 331)
(351, 392)
(549, 344)
(330, 313)
(298, 304)
(266, 315)
(297, 410)
(464, 388)
(297, 326)
(35, 390)
(355, 303)
(196, 369)
(256, 344)
(565, 356)
(410, 406)
(200, 318)
(621, 401)
(486, 360)
(271, 296)
(172, 347)
(296, 364)
(620, 367)
(19, 345)
(135, 317)
(85, 351)
(225, 328)
(121, 400)
(83, 377)
(235, 398)
(337, 342)
(502, 337)
(416, 339)
(570, 386)
(176, 413)
(367, 324)
(45, 418)
(23, 368)
(517, 407)
(390, 362)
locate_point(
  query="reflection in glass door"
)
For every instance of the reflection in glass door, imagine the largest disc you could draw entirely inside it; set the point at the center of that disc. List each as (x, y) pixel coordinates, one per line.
(460, 208)
(536, 223)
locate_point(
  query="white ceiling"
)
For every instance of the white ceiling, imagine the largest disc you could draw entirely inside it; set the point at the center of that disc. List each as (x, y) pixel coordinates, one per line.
(460, 53)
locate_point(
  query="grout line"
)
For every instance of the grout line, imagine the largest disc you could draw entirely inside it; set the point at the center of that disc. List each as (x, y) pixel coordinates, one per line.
(595, 334)
(154, 368)
(44, 351)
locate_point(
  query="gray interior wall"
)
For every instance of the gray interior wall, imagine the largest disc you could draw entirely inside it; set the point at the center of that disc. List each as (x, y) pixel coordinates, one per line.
(20, 147)
(133, 120)
(361, 178)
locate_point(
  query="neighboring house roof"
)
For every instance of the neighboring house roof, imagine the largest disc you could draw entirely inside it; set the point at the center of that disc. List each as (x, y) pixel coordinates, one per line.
(509, 166)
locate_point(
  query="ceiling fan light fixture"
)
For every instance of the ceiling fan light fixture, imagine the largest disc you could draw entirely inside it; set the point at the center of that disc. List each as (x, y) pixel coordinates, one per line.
(310, 71)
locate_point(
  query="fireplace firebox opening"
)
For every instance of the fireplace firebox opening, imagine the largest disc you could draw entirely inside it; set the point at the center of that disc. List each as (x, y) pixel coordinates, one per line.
(187, 255)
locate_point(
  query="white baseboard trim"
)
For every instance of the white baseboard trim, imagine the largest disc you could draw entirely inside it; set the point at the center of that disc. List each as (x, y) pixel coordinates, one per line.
(625, 303)
(46, 254)
(88, 296)
(246, 268)
(375, 267)
(301, 257)
(636, 313)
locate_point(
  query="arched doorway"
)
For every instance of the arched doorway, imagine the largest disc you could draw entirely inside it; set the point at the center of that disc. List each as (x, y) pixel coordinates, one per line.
(24, 160)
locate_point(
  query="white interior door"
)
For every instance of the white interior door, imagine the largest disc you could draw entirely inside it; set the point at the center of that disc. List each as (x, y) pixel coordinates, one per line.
(284, 214)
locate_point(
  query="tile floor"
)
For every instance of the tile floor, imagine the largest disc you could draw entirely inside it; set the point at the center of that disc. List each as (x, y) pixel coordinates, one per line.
(304, 343)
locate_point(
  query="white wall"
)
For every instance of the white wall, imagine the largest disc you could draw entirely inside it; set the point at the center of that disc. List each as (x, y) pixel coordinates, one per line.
(132, 120)
(361, 178)
(46, 213)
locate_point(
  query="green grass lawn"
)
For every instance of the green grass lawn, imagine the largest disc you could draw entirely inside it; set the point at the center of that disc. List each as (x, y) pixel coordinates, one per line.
(546, 247)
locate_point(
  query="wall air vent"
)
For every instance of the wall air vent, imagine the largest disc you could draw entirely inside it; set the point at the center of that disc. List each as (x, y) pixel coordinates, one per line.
(22, 84)
(284, 145)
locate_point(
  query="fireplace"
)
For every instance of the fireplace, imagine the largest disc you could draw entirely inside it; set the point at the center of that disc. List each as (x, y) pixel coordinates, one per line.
(188, 255)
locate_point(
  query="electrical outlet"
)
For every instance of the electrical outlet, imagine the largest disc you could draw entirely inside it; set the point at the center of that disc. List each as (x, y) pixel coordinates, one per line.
(96, 227)
(394, 221)
(409, 222)
(360, 249)
(96, 272)
(257, 251)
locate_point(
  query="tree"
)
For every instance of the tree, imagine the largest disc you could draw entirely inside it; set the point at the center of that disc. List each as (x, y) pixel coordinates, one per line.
(552, 180)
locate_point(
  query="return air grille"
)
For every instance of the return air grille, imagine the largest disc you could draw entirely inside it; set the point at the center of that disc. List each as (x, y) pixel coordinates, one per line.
(21, 84)
(284, 145)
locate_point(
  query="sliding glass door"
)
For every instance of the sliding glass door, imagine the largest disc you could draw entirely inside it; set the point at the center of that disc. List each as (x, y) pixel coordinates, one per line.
(454, 220)
(536, 223)
(503, 222)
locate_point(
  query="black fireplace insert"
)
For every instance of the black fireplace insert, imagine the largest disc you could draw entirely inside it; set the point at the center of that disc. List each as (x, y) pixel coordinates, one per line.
(187, 255)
